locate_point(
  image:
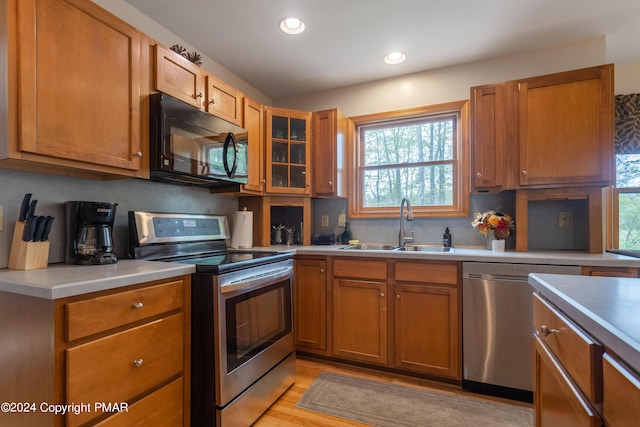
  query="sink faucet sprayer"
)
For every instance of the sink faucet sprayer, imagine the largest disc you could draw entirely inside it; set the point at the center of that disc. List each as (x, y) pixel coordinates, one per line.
(402, 238)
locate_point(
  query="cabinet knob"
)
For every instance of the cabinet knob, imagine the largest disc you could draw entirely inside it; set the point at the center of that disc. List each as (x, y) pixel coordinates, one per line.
(524, 173)
(263, 181)
(199, 95)
(138, 305)
(138, 362)
(398, 296)
(322, 270)
(330, 183)
(138, 154)
(479, 175)
(213, 101)
(545, 330)
(381, 294)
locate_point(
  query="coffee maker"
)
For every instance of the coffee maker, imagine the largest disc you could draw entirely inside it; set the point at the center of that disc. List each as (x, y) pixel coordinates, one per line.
(89, 233)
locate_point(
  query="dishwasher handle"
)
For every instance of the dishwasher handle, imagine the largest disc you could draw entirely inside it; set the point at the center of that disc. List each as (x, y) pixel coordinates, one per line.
(495, 277)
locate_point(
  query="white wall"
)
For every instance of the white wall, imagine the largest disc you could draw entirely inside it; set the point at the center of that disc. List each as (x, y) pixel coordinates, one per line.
(449, 84)
(134, 17)
(627, 79)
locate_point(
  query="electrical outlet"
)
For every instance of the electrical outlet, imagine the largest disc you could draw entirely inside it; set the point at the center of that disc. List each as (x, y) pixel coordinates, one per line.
(563, 219)
(341, 220)
(325, 220)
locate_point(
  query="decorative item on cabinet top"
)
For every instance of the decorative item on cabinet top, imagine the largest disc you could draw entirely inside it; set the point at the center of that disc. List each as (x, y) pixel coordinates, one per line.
(194, 56)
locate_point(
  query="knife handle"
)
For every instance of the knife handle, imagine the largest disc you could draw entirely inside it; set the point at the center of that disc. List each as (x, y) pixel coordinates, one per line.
(24, 208)
(41, 221)
(29, 229)
(47, 228)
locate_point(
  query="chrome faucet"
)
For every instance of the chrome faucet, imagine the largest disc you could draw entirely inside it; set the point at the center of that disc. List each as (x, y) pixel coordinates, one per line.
(402, 238)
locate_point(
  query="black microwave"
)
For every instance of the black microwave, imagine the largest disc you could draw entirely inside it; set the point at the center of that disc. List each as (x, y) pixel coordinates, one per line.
(191, 147)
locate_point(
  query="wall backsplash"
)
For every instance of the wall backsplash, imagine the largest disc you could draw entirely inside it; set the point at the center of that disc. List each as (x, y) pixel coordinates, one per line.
(135, 194)
(427, 230)
(130, 194)
(546, 234)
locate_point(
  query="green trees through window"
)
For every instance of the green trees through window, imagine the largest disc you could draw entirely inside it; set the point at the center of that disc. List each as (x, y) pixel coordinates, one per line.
(409, 159)
(420, 153)
(628, 190)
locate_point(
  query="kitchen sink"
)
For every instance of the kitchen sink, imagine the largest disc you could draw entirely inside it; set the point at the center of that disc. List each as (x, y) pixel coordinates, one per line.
(408, 248)
(428, 248)
(373, 247)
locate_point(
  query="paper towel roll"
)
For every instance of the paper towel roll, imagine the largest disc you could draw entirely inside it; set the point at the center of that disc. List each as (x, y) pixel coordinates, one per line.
(242, 234)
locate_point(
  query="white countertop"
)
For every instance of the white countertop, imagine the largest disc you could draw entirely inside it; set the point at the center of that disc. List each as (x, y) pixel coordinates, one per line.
(481, 255)
(64, 280)
(607, 308)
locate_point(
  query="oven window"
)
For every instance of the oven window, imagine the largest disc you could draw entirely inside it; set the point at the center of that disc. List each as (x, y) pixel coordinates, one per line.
(255, 320)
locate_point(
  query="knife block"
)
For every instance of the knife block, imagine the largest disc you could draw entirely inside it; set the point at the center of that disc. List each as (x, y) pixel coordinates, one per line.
(27, 255)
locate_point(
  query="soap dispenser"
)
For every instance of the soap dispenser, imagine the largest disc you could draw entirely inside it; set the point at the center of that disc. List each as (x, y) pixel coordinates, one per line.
(346, 235)
(446, 239)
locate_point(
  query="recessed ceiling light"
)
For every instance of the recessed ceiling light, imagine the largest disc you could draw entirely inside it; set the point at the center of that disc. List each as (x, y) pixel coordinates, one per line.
(393, 58)
(292, 25)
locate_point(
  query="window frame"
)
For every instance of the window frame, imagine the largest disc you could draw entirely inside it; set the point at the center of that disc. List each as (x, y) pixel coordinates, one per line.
(614, 240)
(461, 182)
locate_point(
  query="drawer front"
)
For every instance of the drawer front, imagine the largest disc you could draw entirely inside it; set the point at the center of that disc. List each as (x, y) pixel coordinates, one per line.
(557, 399)
(621, 398)
(84, 318)
(161, 408)
(120, 366)
(360, 269)
(579, 355)
(446, 274)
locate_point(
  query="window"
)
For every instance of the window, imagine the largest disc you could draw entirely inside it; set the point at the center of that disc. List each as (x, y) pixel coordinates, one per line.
(626, 194)
(420, 154)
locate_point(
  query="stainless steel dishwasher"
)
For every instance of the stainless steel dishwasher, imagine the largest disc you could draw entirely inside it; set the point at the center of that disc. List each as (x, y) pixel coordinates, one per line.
(497, 327)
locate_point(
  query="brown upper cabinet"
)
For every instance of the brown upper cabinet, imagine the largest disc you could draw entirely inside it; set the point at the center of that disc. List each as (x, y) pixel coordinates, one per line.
(288, 151)
(542, 132)
(489, 136)
(178, 77)
(75, 88)
(223, 101)
(254, 124)
(332, 132)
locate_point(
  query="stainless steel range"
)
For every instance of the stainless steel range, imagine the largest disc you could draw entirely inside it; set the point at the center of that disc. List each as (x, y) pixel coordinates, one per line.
(242, 347)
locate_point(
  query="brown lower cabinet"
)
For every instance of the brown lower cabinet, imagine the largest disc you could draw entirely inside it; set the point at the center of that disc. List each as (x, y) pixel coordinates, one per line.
(558, 401)
(120, 357)
(403, 315)
(310, 304)
(568, 370)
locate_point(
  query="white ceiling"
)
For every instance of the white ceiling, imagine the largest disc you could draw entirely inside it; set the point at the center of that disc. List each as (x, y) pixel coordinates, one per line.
(345, 40)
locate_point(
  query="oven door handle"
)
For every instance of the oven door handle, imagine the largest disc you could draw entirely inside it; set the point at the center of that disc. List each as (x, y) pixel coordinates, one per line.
(257, 281)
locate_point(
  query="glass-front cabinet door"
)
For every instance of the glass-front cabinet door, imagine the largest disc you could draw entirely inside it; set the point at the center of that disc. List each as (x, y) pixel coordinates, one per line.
(288, 151)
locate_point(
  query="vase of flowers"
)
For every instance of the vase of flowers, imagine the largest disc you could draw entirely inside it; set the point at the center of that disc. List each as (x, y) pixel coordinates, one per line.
(498, 223)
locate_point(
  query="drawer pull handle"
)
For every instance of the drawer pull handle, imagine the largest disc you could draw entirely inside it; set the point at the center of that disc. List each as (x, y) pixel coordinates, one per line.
(545, 330)
(138, 362)
(138, 305)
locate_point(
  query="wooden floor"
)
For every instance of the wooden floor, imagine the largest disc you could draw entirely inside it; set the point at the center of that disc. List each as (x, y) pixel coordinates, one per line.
(284, 413)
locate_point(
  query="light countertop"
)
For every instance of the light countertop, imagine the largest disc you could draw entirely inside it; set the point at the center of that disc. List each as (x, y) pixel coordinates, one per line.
(605, 307)
(482, 255)
(64, 280)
